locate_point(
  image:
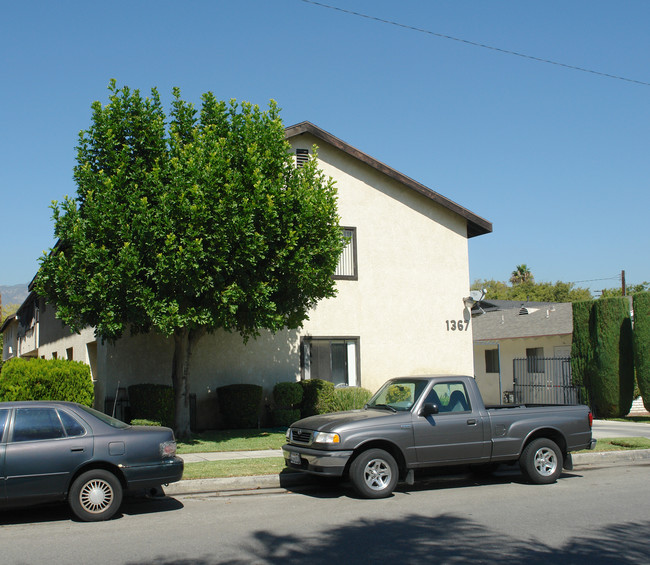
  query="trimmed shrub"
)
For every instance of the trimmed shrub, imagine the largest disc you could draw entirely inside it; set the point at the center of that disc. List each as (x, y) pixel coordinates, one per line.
(582, 351)
(240, 405)
(642, 344)
(152, 402)
(317, 397)
(287, 397)
(145, 423)
(611, 382)
(284, 417)
(349, 398)
(46, 379)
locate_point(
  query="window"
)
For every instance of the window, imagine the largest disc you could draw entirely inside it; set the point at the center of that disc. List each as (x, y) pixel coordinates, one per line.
(331, 359)
(32, 424)
(302, 156)
(55, 355)
(449, 397)
(534, 359)
(68, 353)
(491, 360)
(72, 427)
(3, 421)
(347, 267)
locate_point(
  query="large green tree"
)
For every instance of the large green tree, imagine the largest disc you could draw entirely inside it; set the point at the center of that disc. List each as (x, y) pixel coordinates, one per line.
(188, 223)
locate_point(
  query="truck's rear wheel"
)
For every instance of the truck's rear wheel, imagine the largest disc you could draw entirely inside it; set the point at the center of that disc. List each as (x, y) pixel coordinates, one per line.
(541, 461)
(374, 473)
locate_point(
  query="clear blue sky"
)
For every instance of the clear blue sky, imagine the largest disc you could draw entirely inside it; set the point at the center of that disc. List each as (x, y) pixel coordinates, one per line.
(557, 159)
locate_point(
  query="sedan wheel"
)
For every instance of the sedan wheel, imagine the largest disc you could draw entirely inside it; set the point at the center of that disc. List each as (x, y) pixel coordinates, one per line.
(95, 495)
(374, 473)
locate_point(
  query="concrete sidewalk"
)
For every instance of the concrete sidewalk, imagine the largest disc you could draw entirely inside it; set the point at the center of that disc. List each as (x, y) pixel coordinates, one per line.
(286, 480)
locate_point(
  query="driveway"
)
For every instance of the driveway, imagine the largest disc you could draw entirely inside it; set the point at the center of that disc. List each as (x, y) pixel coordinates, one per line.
(609, 428)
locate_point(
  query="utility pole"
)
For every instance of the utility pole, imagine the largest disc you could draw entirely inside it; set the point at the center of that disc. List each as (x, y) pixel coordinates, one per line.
(623, 282)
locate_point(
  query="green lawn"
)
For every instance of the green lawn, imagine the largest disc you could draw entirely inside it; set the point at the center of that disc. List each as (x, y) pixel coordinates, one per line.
(232, 440)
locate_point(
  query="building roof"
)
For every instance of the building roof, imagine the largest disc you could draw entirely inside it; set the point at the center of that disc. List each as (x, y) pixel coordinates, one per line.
(475, 224)
(518, 319)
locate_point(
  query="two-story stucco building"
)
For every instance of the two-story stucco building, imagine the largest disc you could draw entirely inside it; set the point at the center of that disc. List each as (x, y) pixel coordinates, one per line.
(399, 308)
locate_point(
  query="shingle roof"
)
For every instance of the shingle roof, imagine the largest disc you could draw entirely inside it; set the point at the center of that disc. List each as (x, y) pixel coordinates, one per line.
(506, 322)
(475, 224)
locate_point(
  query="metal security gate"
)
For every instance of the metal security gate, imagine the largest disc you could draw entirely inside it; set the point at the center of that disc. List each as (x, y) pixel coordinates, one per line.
(545, 380)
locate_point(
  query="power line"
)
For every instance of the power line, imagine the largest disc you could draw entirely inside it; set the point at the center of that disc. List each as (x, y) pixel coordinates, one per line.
(475, 44)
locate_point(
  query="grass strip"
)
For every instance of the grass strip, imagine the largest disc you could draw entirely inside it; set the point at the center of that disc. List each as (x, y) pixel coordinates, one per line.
(232, 440)
(234, 468)
(620, 444)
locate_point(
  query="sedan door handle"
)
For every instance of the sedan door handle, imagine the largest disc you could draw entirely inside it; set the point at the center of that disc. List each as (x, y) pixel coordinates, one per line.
(471, 422)
(77, 449)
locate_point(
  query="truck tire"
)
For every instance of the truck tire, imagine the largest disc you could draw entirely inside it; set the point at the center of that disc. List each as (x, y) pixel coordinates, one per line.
(95, 495)
(541, 461)
(374, 473)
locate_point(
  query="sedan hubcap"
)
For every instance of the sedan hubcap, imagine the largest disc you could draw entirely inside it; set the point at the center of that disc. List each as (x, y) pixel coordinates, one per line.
(377, 474)
(545, 461)
(96, 496)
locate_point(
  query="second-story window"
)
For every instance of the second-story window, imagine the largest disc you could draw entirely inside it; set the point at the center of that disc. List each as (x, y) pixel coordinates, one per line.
(347, 267)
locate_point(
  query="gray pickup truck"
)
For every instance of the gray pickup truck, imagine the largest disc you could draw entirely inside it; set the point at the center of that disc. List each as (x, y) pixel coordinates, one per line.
(435, 421)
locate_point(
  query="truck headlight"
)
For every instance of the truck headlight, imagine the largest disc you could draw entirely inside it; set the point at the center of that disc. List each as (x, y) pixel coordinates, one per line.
(324, 437)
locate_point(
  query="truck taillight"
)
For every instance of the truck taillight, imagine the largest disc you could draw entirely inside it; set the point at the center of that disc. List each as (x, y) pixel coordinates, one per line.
(591, 419)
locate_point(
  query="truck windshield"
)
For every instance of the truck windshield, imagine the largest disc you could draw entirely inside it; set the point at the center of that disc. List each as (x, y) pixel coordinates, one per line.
(398, 395)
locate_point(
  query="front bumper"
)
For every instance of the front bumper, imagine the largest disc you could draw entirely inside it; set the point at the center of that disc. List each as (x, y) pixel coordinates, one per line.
(316, 461)
(153, 475)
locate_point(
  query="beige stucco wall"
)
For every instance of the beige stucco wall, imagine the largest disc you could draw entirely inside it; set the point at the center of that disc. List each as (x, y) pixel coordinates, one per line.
(509, 349)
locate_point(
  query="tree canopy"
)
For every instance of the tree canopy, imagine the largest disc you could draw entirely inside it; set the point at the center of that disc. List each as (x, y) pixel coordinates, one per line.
(187, 223)
(529, 290)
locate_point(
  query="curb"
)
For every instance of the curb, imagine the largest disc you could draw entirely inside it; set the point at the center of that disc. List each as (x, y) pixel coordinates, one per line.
(260, 483)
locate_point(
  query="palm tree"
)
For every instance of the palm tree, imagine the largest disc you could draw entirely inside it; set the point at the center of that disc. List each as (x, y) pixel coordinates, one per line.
(521, 274)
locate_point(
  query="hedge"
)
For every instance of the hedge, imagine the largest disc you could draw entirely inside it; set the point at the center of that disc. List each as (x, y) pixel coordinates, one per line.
(317, 395)
(642, 344)
(582, 351)
(287, 397)
(349, 398)
(611, 381)
(240, 405)
(46, 379)
(152, 402)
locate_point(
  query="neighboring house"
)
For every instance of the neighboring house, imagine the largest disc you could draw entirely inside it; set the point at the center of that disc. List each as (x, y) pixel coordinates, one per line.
(399, 309)
(531, 331)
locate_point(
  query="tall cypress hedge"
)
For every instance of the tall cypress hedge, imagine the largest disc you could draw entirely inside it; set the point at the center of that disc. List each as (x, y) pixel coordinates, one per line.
(642, 344)
(611, 382)
(582, 352)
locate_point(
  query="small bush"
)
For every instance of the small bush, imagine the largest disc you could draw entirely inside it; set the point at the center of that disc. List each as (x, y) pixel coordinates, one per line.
(145, 423)
(349, 398)
(284, 417)
(287, 395)
(152, 402)
(317, 397)
(51, 379)
(240, 405)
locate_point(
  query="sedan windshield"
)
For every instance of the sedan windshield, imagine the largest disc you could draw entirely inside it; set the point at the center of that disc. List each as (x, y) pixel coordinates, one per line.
(398, 395)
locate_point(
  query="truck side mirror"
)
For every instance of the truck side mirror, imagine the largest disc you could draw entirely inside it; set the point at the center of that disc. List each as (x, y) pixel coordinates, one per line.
(429, 409)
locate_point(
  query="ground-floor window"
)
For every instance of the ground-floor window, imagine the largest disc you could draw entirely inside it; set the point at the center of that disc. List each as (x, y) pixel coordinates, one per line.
(331, 359)
(491, 360)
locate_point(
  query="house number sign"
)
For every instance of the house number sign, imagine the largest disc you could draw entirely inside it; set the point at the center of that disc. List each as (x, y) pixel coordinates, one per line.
(457, 325)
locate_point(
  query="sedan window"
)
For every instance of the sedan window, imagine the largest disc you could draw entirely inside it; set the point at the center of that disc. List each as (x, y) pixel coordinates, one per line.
(32, 424)
(72, 427)
(3, 421)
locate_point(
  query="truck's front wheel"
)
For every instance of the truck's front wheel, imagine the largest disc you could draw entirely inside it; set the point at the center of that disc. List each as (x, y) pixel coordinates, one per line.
(541, 461)
(374, 473)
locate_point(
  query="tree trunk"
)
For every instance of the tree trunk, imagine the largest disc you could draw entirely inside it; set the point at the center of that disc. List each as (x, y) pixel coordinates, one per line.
(184, 341)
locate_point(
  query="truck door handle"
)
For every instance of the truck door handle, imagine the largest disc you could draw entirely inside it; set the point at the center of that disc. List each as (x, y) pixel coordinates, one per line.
(471, 422)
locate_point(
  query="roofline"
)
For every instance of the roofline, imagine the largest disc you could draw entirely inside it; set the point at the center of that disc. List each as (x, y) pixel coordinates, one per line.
(475, 224)
(6, 322)
(498, 339)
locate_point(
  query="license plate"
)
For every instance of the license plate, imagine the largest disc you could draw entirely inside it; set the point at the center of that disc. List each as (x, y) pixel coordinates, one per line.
(294, 458)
